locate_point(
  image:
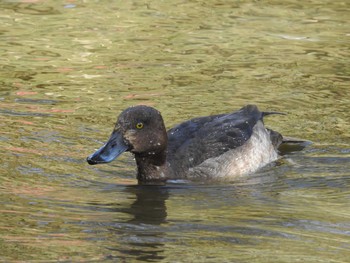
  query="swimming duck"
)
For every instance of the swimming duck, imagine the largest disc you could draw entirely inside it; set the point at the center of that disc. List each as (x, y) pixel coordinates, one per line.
(213, 147)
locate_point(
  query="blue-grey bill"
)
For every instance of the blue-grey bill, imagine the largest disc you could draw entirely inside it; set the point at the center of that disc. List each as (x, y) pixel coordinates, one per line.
(111, 150)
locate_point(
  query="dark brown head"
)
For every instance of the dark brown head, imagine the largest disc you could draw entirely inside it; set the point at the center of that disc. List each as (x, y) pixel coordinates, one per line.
(140, 130)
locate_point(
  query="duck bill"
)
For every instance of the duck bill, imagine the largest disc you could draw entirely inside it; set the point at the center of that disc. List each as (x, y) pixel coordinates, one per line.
(114, 147)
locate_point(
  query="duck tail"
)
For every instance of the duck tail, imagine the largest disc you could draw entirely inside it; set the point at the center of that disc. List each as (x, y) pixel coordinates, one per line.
(267, 113)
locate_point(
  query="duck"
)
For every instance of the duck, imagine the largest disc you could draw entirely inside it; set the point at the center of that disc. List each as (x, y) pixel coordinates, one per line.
(216, 147)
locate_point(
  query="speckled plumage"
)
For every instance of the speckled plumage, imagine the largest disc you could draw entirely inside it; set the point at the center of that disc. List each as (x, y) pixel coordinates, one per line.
(214, 147)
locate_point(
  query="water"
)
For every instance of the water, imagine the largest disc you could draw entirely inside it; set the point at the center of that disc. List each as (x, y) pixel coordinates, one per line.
(68, 68)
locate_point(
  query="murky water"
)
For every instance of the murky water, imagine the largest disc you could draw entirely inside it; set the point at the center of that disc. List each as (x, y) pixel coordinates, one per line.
(67, 68)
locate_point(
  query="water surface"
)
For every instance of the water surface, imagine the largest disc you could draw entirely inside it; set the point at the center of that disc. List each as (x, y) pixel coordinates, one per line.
(68, 68)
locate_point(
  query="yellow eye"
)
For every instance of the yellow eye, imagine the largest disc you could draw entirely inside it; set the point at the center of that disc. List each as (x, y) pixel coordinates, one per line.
(139, 125)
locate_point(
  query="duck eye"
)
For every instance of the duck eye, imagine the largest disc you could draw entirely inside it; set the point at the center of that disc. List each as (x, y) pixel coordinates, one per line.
(139, 125)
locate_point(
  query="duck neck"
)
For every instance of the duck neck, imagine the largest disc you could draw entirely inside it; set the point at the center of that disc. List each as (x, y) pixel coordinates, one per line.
(151, 168)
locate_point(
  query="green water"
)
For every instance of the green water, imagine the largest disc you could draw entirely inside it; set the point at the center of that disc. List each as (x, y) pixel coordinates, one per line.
(67, 68)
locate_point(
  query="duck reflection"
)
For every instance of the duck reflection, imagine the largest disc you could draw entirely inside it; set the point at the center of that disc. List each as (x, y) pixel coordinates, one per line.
(149, 206)
(143, 235)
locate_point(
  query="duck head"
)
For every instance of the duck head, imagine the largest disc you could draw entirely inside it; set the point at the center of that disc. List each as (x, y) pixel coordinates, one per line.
(140, 130)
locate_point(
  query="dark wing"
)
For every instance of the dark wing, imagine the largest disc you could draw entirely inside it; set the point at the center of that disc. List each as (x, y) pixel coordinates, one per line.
(192, 142)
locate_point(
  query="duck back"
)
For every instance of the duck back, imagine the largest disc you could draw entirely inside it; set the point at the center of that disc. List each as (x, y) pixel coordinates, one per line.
(202, 147)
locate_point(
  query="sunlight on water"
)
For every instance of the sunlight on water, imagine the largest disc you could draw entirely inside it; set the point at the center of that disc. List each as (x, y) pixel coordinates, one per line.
(68, 68)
